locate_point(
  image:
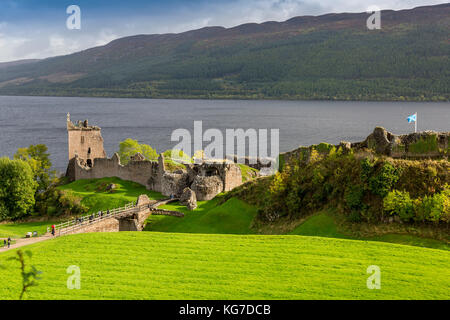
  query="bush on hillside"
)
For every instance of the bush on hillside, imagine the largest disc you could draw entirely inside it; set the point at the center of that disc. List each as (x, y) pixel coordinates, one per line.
(363, 189)
(55, 202)
(434, 208)
(399, 203)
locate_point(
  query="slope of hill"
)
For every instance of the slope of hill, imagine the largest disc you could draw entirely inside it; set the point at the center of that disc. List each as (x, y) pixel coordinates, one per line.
(4, 65)
(332, 56)
(145, 265)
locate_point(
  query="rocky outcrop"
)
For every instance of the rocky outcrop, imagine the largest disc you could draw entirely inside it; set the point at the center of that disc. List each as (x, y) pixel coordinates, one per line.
(189, 199)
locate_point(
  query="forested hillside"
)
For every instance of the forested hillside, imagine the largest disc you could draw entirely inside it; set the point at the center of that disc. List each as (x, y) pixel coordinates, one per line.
(332, 56)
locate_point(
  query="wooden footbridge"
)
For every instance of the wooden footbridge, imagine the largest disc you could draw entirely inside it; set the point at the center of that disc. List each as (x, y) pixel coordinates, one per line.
(131, 217)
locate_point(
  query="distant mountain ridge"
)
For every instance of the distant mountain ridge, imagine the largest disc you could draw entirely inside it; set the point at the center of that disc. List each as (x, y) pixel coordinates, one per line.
(332, 56)
(17, 63)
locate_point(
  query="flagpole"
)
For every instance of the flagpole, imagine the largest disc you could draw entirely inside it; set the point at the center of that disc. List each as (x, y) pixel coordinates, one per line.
(415, 124)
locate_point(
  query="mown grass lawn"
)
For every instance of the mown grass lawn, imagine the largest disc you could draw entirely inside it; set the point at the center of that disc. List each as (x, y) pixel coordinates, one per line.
(148, 265)
(233, 216)
(19, 230)
(323, 224)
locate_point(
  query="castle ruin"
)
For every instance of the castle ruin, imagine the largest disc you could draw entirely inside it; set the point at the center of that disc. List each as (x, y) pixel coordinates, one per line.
(414, 146)
(88, 160)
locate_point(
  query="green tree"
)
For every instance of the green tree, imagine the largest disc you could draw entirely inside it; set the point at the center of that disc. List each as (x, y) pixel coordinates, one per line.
(130, 147)
(39, 160)
(17, 188)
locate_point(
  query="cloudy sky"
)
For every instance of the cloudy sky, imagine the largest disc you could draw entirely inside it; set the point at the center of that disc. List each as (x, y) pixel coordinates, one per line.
(37, 28)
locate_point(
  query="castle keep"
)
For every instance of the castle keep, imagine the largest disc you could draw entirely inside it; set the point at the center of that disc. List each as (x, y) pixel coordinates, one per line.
(87, 160)
(85, 141)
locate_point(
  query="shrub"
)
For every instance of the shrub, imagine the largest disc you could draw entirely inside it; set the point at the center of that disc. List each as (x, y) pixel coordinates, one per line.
(399, 203)
(354, 216)
(383, 182)
(57, 202)
(435, 208)
(354, 197)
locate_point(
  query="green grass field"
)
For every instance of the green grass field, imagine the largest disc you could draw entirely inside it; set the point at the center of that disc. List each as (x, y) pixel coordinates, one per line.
(19, 230)
(147, 265)
(96, 198)
(233, 216)
(323, 225)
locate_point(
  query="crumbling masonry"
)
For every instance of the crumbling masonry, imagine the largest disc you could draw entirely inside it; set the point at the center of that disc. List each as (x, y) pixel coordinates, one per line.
(87, 160)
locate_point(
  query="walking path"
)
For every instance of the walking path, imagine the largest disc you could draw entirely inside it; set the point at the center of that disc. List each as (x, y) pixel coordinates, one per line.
(69, 224)
(25, 241)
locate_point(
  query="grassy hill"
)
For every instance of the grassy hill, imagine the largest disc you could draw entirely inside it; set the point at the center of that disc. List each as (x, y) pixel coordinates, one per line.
(325, 224)
(234, 216)
(96, 197)
(333, 56)
(195, 266)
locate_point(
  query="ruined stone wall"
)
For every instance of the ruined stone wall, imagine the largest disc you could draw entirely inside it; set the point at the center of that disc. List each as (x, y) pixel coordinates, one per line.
(106, 225)
(207, 179)
(232, 177)
(420, 145)
(143, 172)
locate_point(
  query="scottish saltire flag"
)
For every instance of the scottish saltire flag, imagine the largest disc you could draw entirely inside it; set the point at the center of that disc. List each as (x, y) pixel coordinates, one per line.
(412, 118)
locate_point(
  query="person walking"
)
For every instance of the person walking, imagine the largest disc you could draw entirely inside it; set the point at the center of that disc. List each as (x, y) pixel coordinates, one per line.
(4, 242)
(9, 242)
(53, 230)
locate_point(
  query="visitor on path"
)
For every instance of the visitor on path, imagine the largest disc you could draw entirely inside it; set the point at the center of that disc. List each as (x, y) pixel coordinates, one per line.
(53, 230)
(9, 242)
(4, 242)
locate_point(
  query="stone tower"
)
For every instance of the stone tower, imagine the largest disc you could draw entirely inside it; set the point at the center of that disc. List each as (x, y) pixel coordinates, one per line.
(85, 141)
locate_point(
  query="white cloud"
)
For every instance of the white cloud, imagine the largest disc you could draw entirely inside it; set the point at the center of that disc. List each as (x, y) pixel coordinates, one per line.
(8, 45)
(105, 36)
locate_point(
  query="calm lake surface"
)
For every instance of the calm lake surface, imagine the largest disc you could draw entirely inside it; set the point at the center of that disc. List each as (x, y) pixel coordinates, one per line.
(33, 120)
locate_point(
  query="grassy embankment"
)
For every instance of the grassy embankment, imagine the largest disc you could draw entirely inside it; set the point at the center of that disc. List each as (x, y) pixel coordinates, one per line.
(147, 265)
(233, 216)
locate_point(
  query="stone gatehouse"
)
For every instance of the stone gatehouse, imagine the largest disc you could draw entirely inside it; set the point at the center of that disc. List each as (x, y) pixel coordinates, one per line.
(87, 160)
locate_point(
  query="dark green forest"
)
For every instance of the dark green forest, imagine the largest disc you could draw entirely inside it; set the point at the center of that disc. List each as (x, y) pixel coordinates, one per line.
(331, 57)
